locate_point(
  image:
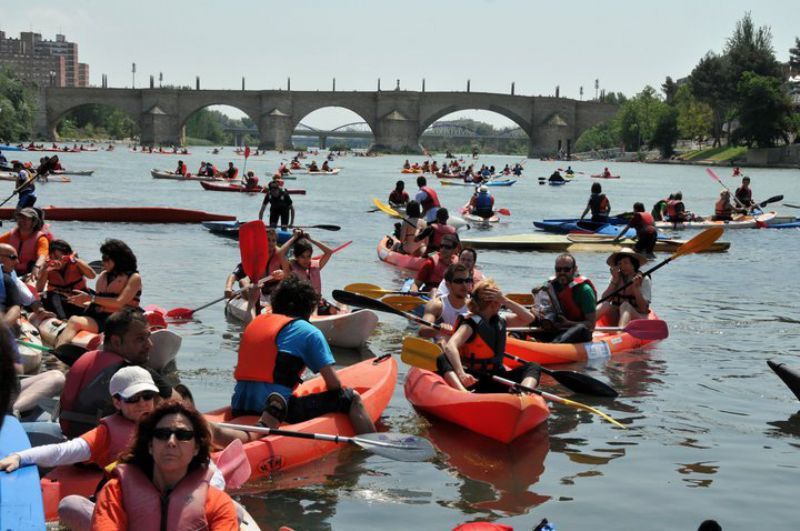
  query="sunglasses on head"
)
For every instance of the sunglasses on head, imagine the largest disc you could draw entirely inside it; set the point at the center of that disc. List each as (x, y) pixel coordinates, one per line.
(462, 281)
(163, 434)
(147, 395)
(563, 269)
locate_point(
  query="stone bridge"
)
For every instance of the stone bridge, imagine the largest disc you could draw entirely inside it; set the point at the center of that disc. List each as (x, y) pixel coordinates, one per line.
(397, 118)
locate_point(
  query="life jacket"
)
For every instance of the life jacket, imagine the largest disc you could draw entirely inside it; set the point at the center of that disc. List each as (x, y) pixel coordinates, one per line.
(232, 173)
(251, 182)
(113, 289)
(183, 169)
(26, 249)
(672, 208)
(599, 205)
(744, 195)
(311, 274)
(723, 208)
(259, 358)
(645, 224)
(438, 271)
(569, 309)
(85, 399)
(120, 435)
(439, 230)
(483, 202)
(483, 351)
(432, 201)
(184, 507)
(67, 278)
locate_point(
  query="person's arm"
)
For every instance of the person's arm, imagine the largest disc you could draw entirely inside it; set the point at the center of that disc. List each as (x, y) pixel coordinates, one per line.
(108, 511)
(451, 351)
(229, 285)
(586, 210)
(326, 251)
(522, 316)
(49, 456)
(422, 276)
(641, 293)
(332, 382)
(433, 310)
(263, 206)
(85, 269)
(622, 232)
(132, 287)
(615, 284)
(220, 511)
(291, 215)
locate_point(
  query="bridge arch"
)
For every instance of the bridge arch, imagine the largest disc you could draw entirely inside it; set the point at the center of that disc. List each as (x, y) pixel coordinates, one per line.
(302, 112)
(443, 110)
(99, 105)
(188, 111)
(330, 122)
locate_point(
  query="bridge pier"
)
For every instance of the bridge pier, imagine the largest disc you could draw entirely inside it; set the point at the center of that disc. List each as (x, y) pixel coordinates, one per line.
(276, 131)
(397, 134)
(160, 129)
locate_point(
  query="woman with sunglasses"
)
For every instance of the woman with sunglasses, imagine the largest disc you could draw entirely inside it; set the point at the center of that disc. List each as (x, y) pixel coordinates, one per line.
(479, 342)
(163, 481)
(119, 285)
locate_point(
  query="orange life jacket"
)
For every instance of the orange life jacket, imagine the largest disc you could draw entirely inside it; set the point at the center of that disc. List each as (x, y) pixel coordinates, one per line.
(723, 208)
(67, 278)
(259, 358)
(120, 435)
(565, 298)
(26, 249)
(184, 507)
(483, 351)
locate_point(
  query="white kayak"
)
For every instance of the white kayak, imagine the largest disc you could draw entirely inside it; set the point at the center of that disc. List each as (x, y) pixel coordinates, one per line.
(75, 172)
(161, 174)
(745, 222)
(334, 171)
(347, 329)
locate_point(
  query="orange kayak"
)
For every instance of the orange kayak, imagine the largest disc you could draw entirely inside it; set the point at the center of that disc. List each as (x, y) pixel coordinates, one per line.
(374, 381)
(403, 261)
(603, 345)
(500, 416)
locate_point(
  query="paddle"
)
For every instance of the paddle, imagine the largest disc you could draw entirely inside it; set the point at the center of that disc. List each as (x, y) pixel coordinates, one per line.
(421, 353)
(526, 299)
(234, 465)
(397, 446)
(418, 352)
(699, 243)
(404, 302)
(253, 248)
(762, 204)
(790, 205)
(184, 314)
(376, 292)
(503, 211)
(321, 226)
(648, 329)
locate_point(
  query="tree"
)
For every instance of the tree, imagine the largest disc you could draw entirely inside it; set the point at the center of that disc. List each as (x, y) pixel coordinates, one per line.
(750, 49)
(764, 110)
(637, 118)
(17, 107)
(669, 88)
(666, 131)
(794, 56)
(600, 136)
(709, 84)
(695, 118)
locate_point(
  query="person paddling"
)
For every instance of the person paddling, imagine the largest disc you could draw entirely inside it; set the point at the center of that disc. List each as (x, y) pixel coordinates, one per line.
(723, 209)
(598, 204)
(408, 230)
(26, 190)
(427, 198)
(646, 233)
(556, 177)
(437, 230)
(633, 302)
(181, 169)
(251, 181)
(304, 267)
(482, 203)
(744, 195)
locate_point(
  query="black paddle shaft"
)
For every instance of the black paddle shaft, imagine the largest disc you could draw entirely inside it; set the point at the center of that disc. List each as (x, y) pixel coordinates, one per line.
(628, 283)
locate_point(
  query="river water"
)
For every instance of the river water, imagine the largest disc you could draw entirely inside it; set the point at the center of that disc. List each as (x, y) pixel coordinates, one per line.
(712, 432)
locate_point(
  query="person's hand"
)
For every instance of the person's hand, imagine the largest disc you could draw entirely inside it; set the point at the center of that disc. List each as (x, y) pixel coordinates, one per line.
(467, 380)
(446, 328)
(492, 295)
(10, 463)
(637, 280)
(615, 274)
(79, 298)
(297, 233)
(278, 274)
(228, 293)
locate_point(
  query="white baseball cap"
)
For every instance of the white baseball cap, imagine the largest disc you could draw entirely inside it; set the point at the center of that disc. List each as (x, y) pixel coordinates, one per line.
(129, 381)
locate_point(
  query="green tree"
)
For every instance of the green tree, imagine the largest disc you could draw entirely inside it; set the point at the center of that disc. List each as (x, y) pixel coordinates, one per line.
(600, 136)
(695, 118)
(764, 110)
(206, 124)
(794, 56)
(666, 131)
(17, 107)
(637, 119)
(750, 49)
(709, 85)
(669, 88)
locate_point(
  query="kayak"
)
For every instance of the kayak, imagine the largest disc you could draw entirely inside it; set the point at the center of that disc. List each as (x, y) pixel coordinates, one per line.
(790, 376)
(21, 504)
(411, 170)
(125, 214)
(603, 345)
(594, 227)
(400, 260)
(347, 329)
(334, 171)
(789, 225)
(230, 229)
(159, 152)
(499, 416)
(374, 379)
(11, 176)
(746, 222)
(441, 175)
(75, 172)
(472, 218)
(454, 221)
(601, 176)
(505, 182)
(572, 242)
(241, 188)
(161, 174)
(6, 147)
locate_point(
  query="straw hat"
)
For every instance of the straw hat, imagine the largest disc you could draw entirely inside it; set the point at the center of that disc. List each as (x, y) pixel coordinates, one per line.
(630, 253)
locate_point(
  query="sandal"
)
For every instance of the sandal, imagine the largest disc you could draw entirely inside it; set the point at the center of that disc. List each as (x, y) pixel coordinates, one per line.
(276, 407)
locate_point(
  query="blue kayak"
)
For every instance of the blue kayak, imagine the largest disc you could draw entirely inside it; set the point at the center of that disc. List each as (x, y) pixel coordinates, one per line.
(595, 227)
(21, 505)
(230, 229)
(507, 182)
(791, 225)
(6, 147)
(612, 220)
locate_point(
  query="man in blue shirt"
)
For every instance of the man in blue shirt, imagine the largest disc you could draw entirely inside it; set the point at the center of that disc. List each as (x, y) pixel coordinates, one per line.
(274, 352)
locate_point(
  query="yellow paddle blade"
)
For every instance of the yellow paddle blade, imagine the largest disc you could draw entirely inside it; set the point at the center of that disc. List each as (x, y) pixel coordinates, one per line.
(383, 207)
(403, 302)
(420, 353)
(579, 405)
(526, 299)
(701, 242)
(368, 290)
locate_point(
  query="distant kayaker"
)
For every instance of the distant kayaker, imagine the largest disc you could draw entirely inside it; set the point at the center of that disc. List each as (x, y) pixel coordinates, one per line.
(736, 172)
(676, 209)
(634, 301)
(445, 309)
(646, 233)
(274, 351)
(118, 286)
(406, 165)
(231, 172)
(607, 173)
(744, 195)
(313, 166)
(427, 198)
(24, 185)
(398, 197)
(566, 304)
(432, 271)
(556, 177)
(325, 166)
(723, 209)
(181, 169)
(659, 210)
(476, 350)
(482, 203)
(569, 171)
(250, 180)
(517, 171)
(280, 206)
(598, 204)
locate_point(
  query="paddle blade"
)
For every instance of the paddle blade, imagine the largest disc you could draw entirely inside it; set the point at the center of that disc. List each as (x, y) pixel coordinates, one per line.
(420, 353)
(504, 211)
(180, 313)
(582, 383)
(404, 303)
(234, 465)
(254, 249)
(714, 176)
(701, 242)
(773, 199)
(648, 329)
(369, 290)
(526, 299)
(397, 446)
(332, 228)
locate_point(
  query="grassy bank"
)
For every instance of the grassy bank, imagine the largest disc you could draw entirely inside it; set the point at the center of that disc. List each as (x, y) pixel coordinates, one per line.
(718, 154)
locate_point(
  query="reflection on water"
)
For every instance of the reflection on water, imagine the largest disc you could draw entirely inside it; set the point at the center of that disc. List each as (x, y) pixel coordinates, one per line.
(790, 427)
(698, 468)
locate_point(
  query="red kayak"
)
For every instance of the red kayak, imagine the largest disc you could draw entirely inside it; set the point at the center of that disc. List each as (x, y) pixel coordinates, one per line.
(125, 214)
(601, 176)
(241, 188)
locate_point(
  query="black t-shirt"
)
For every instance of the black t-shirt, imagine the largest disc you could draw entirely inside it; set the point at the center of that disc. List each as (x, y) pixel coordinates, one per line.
(280, 202)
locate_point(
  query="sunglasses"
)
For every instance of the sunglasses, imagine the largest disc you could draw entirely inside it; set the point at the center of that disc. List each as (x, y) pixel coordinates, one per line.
(11, 256)
(563, 269)
(446, 247)
(147, 395)
(462, 281)
(163, 434)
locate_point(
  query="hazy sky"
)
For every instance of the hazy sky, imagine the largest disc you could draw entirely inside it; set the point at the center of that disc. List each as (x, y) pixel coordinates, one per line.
(539, 45)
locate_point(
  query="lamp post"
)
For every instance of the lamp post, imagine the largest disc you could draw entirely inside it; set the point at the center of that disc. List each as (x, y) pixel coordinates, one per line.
(133, 74)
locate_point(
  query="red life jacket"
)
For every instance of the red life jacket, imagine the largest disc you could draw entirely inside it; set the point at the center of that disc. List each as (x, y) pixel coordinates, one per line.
(184, 507)
(483, 351)
(184, 169)
(672, 211)
(26, 249)
(67, 278)
(432, 201)
(565, 298)
(437, 272)
(120, 435)
(439, 230)
(259, 358)
(311, 274)
(85, 399)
